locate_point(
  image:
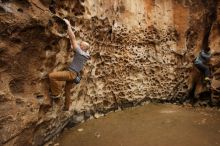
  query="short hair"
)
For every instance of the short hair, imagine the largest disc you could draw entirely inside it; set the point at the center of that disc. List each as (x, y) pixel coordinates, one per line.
(208, 49)
(85, 44)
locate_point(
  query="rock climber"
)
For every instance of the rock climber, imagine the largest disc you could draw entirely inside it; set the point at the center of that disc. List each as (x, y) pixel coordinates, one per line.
(201, 63)
(72, 75)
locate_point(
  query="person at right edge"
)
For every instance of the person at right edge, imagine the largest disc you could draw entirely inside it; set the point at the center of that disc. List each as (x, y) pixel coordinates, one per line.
(202, 63)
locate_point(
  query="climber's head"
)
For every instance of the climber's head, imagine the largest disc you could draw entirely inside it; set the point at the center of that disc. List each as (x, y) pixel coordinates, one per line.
(84, 45)
(207, 49)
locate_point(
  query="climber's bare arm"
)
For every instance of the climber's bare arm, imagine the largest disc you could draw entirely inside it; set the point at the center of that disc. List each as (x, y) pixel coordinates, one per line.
(71, 34)
(215, 53)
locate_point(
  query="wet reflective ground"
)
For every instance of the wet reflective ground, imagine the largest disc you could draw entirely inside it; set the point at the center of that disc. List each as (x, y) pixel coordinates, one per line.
(150, 125)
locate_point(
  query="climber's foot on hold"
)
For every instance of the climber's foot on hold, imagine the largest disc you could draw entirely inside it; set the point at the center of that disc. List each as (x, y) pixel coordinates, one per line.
(208, 83)
(208, 87)
(54, 97)
(207, 79)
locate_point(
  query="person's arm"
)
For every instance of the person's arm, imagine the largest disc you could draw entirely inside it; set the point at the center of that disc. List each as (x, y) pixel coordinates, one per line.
(71, 34)
(205, 55)
(214, 53)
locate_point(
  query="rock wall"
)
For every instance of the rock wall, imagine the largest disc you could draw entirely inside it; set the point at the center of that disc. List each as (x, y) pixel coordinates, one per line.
(140, 50)
(214, 44)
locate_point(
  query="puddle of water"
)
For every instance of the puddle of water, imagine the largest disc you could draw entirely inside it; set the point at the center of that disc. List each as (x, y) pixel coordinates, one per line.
(150, 125)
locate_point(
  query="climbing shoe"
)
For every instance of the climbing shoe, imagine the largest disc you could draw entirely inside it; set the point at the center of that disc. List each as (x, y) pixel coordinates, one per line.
(54, 96)
(207, 79)
(208, 87)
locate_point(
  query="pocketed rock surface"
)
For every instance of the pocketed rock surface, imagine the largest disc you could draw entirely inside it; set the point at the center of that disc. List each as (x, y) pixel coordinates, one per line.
(140, 50)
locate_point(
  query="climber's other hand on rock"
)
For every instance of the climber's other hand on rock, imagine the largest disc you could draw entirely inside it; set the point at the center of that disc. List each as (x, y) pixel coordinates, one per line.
(67, 22)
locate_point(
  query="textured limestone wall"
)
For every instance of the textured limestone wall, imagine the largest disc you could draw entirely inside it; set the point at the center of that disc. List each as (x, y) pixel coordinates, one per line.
(214, 44)
(140, 50)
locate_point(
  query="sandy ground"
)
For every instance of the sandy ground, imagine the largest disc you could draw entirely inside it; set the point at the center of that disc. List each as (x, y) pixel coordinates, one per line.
(150, 125)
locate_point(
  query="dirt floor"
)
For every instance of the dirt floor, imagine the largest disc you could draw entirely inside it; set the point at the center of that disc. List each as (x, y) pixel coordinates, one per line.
(150, 125)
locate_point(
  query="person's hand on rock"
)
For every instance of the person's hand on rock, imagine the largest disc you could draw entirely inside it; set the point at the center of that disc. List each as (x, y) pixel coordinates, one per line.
(67, 22)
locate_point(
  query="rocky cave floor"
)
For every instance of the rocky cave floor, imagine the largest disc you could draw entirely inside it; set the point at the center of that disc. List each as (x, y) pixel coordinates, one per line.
(150, 124)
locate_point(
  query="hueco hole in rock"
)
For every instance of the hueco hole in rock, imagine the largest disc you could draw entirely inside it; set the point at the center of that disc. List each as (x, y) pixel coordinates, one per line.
(109, 72)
